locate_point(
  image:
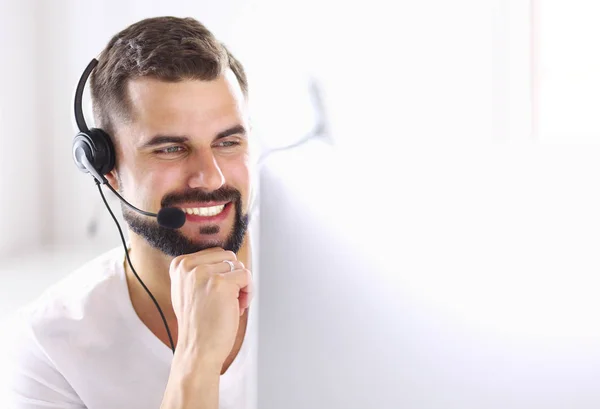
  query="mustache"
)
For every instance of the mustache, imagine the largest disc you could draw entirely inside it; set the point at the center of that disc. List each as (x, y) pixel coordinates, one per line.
(195, 195)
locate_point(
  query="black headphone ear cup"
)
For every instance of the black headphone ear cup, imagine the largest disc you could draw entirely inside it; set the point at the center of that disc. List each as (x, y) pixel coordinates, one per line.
(103, 151)
(98, 148)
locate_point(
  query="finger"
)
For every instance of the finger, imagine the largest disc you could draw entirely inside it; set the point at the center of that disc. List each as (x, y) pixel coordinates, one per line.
(246, 293)
(214, 256)
(244, 300)
(209, 250)
(242, 278)
(223, 267)
(210, 256)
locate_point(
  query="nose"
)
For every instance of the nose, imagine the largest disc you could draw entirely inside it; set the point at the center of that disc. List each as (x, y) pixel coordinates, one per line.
(206, 172)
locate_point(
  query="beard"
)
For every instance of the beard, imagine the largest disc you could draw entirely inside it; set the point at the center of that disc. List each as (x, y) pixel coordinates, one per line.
(172, 242)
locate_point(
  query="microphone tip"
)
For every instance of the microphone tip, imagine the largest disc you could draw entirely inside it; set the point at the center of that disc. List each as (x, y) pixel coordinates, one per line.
(171, 217)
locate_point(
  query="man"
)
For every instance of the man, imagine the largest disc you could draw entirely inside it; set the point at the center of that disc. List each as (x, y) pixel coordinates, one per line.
(173, 100)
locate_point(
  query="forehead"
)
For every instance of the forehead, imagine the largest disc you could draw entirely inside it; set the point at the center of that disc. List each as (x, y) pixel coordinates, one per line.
(186, 106)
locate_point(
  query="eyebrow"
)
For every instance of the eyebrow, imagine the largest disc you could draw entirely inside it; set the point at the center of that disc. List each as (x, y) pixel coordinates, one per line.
(237, 129)
(165, 139)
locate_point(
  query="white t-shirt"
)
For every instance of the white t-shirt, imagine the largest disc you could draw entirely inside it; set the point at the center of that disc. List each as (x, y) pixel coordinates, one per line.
(82, 345)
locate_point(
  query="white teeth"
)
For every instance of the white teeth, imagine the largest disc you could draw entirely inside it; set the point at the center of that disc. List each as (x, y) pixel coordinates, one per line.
(204, 211)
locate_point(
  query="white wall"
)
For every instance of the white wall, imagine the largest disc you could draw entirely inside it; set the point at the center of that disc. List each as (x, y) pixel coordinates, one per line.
(411, 71)
(567, 62)
(21, 131)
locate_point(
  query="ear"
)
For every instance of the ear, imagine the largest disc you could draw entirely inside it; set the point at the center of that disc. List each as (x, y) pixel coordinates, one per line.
(113, 179)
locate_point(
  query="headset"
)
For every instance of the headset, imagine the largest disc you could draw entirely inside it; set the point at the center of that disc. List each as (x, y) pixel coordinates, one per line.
(94, 153)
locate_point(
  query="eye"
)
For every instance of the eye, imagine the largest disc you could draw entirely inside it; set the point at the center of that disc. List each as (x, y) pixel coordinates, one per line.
(170, 149)
(227, 144)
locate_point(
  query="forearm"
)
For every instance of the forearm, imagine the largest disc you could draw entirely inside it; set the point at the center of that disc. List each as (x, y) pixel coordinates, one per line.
(192, 384)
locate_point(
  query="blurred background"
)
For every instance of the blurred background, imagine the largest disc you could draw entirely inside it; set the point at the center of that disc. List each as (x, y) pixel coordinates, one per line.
(430, 238)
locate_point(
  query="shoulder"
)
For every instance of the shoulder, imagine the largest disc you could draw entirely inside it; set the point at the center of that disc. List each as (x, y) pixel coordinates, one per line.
(74, 306)
(42, 338)
(77, 295)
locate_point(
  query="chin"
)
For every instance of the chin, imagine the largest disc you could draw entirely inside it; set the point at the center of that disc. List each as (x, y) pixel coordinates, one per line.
(190, 239)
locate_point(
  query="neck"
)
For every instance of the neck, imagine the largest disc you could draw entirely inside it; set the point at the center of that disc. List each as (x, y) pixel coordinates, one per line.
(152, 266)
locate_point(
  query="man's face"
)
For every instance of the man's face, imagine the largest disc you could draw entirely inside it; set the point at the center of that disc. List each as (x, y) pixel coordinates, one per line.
(187, 147)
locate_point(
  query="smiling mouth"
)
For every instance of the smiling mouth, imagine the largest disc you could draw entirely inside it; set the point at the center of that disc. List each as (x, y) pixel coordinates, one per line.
(204, 211)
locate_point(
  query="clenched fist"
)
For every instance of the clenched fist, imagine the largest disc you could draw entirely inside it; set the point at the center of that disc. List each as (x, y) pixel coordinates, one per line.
(208, 299)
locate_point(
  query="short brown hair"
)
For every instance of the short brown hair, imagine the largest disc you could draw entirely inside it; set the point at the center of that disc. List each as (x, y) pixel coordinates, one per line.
(165, 48)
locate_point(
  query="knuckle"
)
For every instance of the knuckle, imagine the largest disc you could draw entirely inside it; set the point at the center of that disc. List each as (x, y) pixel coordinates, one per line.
(216, 282)
(175, 262)
(186, 265)
(199, 271)
(246, 276)
(230, 254)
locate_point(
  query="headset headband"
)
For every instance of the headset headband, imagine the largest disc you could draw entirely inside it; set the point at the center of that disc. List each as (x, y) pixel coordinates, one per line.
(79, 96)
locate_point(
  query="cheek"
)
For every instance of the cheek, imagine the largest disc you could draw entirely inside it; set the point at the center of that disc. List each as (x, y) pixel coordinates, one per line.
(239, 177)
(153, 185)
